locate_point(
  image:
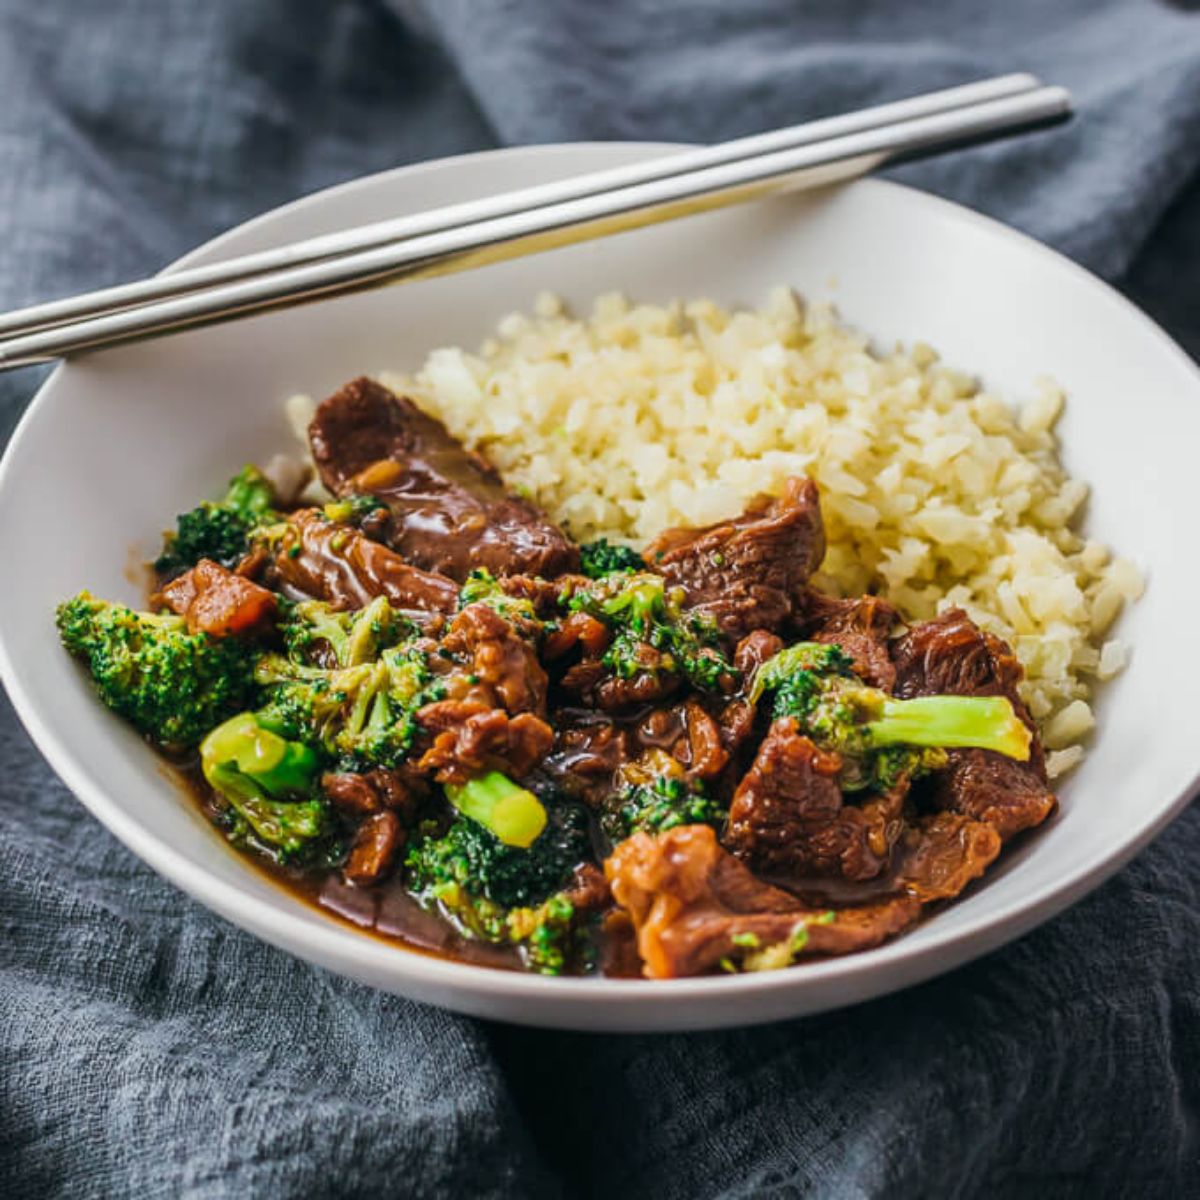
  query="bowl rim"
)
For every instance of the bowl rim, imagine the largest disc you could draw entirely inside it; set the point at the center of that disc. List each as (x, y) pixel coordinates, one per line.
(336, 945)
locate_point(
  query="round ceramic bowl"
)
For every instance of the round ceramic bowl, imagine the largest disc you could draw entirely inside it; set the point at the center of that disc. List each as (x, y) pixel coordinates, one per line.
(117, 442)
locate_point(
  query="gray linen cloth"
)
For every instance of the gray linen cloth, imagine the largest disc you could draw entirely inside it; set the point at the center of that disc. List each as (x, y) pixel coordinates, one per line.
(148, 1048)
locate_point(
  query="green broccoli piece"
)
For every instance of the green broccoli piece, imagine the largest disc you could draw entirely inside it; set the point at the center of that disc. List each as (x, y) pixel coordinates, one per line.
(660, 805)
(512, 814)
(360, 716)
(640, 611)
(503, 894)
(172, 685)
(549, 936)
(471, 855)
(220, 529)
(602, 557)
(482, 586)
(268, 781)
(880, 737)
(348, 638)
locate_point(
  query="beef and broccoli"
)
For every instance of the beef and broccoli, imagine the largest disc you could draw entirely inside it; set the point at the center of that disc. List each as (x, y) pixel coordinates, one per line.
(424, 706)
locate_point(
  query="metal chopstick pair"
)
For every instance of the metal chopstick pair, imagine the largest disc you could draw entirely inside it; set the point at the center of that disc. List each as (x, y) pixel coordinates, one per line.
(504, 226)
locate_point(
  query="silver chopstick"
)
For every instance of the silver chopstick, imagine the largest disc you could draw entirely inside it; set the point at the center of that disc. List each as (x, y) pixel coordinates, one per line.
(380, 233)
(481, 242)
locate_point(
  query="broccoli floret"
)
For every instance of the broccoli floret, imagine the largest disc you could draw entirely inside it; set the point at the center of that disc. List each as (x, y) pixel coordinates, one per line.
(482, 586)
(360, 716)
(602, 557)
(549, 936)
(220, 529)
(312, 629)
(640, 611)
(471, 855)
(503, 894)
(174, 686)
(659, 805)
(268, 781)
(879, 737)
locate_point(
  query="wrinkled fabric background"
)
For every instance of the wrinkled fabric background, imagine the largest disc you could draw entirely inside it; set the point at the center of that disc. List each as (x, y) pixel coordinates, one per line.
(147, 1048)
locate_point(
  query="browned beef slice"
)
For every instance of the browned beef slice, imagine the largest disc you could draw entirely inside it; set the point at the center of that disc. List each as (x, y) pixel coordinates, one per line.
(951, 655)
(470, 737)
(746, 573)
(588, 889)
(374, 849)
(450, 511)
(702, 749)
(587, 755)
(504, 664)
(942, 854)
(597, 686)
(788, 815)
(687, 732)
(859, 626)
(399, 789)
(692, 904)
(1008, 795)
(322, 560)
(754, 650)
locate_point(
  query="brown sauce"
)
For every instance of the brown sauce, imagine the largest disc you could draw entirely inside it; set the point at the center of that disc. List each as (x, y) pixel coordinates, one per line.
(385, 910)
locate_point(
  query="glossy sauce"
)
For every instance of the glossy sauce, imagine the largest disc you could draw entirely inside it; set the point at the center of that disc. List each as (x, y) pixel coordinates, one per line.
(385, 910)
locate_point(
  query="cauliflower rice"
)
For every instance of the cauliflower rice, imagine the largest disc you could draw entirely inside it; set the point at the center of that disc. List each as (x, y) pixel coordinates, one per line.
(935, 493)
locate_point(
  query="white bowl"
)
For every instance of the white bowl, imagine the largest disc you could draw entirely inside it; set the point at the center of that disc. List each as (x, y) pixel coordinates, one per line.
(117, 443)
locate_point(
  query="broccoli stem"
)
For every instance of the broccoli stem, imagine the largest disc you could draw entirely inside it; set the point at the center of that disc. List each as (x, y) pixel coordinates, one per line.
(512, 813)
(287, 824)
(979, 722)
(252, 768)
(272, 763)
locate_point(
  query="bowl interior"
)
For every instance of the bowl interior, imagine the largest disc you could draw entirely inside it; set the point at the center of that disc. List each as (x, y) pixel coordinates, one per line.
(118, 442)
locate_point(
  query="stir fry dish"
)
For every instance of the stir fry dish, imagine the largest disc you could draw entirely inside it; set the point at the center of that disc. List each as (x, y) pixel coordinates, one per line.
(423, 707)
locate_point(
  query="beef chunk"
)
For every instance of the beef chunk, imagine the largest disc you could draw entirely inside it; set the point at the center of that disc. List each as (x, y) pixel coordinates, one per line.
(450, 512)
(588, 890)
(586, 757)
(702, 749)
(942, 854)
(754, 650)
(321, 560)
(374, 850)
(952, 655)
(746, 573)
(737, 724)
(788, 815)
(504, 664)
(859, 626)
(688, 733)
(597, 685)
(1006, 794)
(470, 738)
(693, 904)
(356, 794)
(217, 601)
